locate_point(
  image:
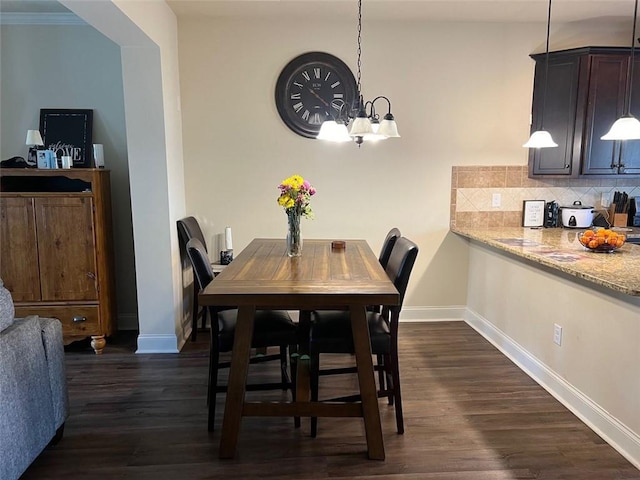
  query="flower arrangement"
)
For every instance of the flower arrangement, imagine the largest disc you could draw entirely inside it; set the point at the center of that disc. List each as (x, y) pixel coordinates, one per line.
(295, 196)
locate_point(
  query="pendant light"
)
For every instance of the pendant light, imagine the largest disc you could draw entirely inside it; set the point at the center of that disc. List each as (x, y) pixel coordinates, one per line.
(360, 122)
(627, 127)
(541, 138)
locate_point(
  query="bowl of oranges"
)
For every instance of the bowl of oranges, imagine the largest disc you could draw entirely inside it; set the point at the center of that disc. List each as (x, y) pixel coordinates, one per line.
(601, 240)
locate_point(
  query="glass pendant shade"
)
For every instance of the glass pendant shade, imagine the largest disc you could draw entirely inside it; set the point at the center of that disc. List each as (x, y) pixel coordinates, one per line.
(388, 127)
(375, 136)
(360, 127)
(334, 132)
(540, 139)
(626, 127)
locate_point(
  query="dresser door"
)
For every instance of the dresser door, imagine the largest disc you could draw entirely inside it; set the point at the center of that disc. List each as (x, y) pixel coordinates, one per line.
(18, 262)
(66, 248)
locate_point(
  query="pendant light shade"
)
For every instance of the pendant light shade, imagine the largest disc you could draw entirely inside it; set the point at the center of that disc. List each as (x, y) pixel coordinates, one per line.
(388, 127)
(541, 138)
(627, 127)
(334, 132)
(361, 126)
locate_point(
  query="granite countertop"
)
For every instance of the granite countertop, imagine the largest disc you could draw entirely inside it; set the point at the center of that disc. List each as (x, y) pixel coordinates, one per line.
(560, 249)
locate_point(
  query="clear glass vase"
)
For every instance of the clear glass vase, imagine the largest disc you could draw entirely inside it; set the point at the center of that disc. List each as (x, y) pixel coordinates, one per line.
(294, 237)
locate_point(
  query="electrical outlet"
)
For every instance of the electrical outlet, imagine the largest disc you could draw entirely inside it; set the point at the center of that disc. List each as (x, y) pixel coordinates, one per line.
(557, 334)
(496, 200)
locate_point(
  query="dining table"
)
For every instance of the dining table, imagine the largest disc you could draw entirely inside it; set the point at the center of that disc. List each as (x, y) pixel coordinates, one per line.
(328, 275)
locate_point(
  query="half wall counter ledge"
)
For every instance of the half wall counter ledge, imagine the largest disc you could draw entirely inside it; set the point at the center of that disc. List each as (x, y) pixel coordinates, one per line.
(560, 250)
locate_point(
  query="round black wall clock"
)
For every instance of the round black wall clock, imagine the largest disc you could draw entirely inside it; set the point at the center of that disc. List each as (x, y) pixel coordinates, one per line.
(310, 88)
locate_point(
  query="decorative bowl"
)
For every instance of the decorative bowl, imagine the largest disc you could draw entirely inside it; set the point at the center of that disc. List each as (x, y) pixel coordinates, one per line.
(602, 240)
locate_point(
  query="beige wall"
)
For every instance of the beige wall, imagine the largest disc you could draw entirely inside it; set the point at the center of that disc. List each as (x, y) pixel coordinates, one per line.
(461, 95)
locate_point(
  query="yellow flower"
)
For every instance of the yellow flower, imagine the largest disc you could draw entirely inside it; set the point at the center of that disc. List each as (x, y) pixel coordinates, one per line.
(295, 193)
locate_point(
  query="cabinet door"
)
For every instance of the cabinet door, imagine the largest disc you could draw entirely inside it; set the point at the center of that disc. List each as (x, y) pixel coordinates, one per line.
(18, 246)
(559, 116)
(606, 95)
(66, 248)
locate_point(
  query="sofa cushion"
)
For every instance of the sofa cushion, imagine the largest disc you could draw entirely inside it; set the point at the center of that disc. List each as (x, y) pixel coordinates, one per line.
(7, 312)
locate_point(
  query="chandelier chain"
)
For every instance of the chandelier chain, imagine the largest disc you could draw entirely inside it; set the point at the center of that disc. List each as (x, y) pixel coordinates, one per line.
(359, 44)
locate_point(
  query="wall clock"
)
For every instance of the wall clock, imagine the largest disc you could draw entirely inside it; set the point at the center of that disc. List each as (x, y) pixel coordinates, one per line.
(310, 88)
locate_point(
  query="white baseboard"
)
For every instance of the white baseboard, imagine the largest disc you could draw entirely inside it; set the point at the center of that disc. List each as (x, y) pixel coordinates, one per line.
(432, 314)
(616, 434)
(156, 343)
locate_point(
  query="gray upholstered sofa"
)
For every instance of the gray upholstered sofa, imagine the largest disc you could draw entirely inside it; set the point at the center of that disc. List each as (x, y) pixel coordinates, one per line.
(33, 388)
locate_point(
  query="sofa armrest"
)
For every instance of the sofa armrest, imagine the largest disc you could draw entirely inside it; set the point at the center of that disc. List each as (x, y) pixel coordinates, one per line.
(54, 353)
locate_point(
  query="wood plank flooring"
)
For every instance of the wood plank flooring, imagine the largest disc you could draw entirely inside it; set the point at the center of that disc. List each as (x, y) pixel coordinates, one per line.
(469, 414)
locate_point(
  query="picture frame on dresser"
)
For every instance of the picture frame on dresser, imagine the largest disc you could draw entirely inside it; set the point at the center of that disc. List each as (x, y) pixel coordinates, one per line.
(68, 132)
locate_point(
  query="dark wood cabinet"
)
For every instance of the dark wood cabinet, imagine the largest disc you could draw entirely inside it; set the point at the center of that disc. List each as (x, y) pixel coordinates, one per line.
(56, 253)
(586, 93)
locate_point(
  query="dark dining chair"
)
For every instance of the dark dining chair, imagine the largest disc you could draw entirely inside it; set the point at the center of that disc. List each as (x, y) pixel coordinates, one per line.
(331, 333)
(189, 228)
(272, 328)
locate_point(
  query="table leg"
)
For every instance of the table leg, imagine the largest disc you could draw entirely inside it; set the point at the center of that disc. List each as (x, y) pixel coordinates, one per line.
(237, 381)
(303, 390)
(368, 391)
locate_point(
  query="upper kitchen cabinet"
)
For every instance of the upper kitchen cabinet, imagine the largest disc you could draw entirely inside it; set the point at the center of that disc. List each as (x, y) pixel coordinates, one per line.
(586, 93)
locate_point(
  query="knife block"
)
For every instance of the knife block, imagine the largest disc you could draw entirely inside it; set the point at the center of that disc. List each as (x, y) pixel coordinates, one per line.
(617, 219)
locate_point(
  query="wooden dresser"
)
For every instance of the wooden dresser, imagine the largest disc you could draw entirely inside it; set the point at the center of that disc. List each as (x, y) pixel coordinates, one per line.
(56, 249)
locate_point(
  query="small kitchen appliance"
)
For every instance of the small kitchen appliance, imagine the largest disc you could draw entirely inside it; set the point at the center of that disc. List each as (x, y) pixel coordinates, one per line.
(577, 215)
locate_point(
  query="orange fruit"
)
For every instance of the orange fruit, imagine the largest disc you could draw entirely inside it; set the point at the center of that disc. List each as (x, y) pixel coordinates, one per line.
(589, 233)
(593, 243)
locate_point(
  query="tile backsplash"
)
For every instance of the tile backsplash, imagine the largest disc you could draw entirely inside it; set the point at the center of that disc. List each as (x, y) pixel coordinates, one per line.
(473, 189)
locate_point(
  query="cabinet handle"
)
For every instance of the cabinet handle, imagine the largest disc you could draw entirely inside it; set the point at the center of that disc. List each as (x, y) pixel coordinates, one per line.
(79, 319)
(91, 275)
(567, 166)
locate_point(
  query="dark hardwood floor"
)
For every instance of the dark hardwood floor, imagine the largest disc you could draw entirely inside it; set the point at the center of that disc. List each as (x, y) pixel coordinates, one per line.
(469, 414)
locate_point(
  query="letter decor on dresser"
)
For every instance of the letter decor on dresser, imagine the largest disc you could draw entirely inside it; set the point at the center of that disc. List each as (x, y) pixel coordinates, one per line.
(56, 253)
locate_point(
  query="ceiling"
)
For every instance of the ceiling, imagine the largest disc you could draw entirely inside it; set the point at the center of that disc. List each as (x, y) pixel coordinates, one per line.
(432, 10)
(426, 10)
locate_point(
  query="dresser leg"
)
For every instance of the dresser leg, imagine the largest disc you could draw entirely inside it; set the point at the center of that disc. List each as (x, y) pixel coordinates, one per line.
(98, 343)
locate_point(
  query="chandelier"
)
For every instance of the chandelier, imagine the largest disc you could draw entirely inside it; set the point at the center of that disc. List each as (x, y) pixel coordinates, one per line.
(360, 122)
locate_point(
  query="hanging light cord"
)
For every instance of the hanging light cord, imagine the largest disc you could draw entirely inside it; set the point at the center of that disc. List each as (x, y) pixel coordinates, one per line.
(546, 68)
(631, 60)
(359, 49)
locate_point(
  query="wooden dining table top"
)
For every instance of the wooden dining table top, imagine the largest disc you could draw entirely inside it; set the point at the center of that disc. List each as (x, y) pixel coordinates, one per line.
(263, 275)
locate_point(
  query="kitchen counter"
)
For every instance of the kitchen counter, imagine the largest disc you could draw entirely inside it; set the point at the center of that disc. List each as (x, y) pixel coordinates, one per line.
(559, 249)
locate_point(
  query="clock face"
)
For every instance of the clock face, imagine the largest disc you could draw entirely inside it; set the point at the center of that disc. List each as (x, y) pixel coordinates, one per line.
(312, 88)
